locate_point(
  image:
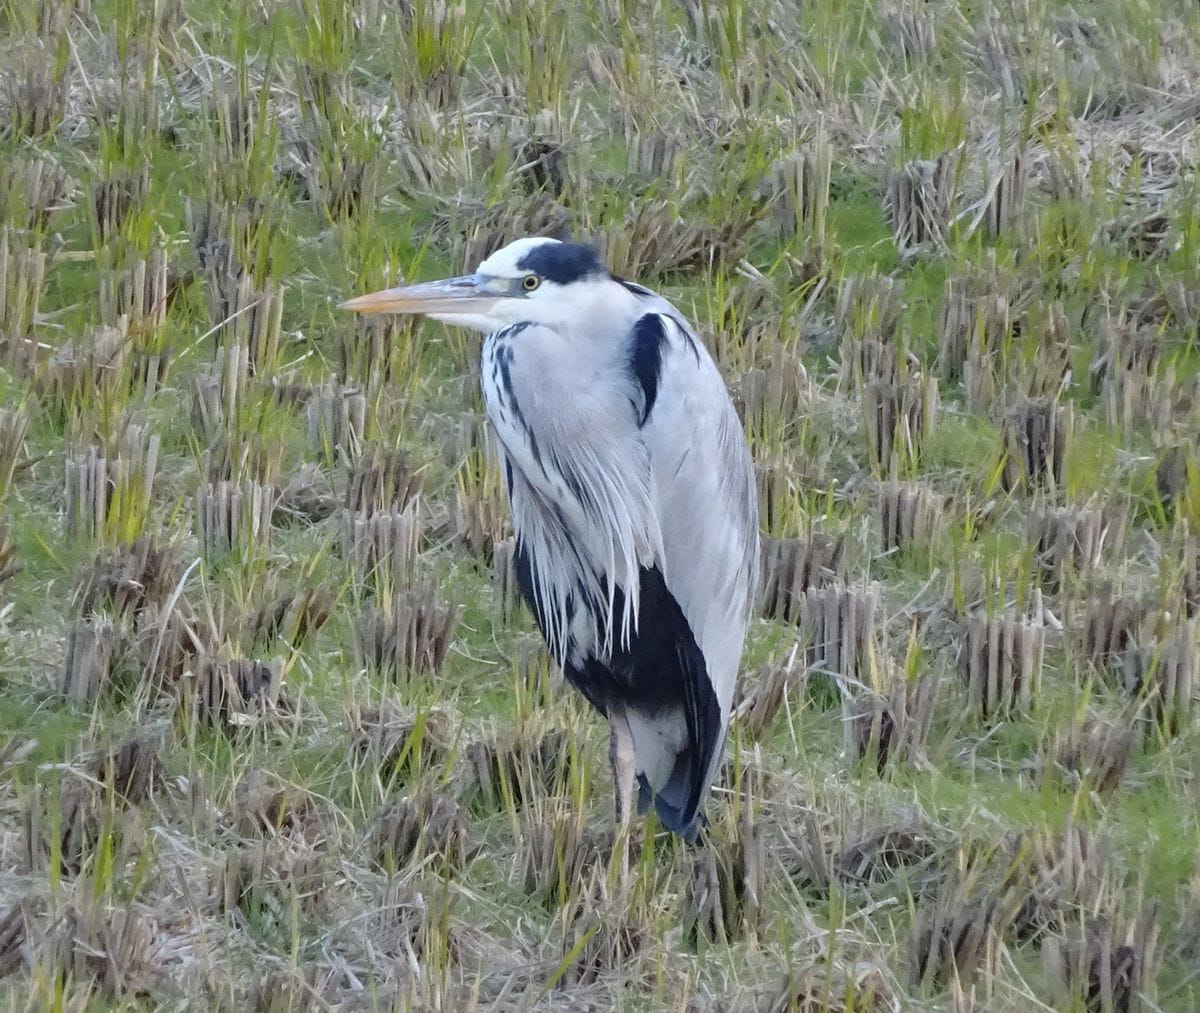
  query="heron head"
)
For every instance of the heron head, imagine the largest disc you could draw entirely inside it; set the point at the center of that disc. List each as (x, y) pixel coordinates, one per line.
(540, 280)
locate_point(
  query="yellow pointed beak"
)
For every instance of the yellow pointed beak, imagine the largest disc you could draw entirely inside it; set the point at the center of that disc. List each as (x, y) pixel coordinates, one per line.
(452, 295)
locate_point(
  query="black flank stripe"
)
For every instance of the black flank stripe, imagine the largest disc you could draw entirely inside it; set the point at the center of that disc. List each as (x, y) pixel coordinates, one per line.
(660, 670)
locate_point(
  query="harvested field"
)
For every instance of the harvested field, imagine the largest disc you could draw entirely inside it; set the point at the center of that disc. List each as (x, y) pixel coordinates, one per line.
(275, 733)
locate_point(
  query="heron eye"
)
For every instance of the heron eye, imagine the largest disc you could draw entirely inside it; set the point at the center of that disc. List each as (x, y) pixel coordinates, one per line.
(530, 282)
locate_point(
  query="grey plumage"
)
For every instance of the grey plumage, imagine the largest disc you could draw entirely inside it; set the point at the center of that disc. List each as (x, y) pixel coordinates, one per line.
(633, 499)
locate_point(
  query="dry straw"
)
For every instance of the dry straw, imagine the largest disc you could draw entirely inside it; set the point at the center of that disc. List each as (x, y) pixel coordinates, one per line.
(416, 828)
(14, 424)
(22, 281)
(919, 203)
(108, 497)
(382, 548)
(911, 515)
(842, 630)
(234, 517)
(791, 567)
(32, 189)
(409, 638)
(1037, 440)
(1001, 658)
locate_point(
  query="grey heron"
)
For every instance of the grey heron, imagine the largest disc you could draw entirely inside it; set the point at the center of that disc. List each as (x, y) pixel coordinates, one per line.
(633, 499)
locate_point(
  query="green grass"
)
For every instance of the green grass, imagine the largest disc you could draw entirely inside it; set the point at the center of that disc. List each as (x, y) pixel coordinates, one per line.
(383, 139)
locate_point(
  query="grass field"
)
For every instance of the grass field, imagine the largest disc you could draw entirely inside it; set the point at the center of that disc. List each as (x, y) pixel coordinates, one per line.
(274, 734)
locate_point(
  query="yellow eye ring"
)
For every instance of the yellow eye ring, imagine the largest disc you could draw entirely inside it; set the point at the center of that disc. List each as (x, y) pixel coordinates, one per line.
(530, 282)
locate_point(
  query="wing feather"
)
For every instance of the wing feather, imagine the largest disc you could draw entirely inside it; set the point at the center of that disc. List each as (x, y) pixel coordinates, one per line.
(704, 490)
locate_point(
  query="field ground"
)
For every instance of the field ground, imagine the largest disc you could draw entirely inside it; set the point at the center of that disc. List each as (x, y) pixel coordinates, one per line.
(273, 734)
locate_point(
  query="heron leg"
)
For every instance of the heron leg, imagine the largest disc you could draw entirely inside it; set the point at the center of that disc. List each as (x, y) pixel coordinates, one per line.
(624, 767)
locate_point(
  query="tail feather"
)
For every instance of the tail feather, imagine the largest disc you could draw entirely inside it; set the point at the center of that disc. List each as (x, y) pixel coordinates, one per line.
(679, 808)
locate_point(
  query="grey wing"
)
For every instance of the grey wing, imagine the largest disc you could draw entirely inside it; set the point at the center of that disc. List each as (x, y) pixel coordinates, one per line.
(706, 498)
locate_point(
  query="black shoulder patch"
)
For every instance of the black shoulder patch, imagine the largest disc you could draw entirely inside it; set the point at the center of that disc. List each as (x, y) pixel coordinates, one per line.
(562, 262)
(645, 360)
